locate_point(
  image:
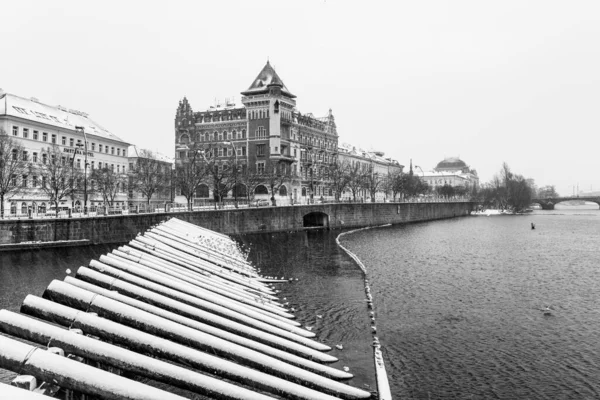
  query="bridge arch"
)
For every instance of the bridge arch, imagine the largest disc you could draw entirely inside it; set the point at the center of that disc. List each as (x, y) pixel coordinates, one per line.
(315, 219)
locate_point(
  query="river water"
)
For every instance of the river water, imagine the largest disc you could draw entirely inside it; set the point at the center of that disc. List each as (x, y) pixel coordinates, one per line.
(458, 302)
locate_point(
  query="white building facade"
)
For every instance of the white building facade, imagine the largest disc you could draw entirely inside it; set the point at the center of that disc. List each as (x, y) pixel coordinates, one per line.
(38, 126)
(450, 171)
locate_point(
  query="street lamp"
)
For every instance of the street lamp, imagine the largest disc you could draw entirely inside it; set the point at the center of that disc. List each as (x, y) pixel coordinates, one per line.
(235, 172)
(85, 165)
(422, 173)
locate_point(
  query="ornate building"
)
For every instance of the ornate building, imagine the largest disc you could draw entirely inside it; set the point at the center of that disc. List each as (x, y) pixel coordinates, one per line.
(267, 130)
(451, 171)
(37, 127)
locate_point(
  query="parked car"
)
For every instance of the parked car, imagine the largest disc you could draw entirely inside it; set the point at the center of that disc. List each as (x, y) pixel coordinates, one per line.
(260, 203)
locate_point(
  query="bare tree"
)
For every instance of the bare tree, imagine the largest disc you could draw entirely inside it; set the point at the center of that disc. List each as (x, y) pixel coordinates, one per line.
(58, 175)
(250, 178)
(108, 183)
(275, 175)
(339, 177)
(190, 173)
(12, 165)
(374, 182)
(148, 175)
(357, 179)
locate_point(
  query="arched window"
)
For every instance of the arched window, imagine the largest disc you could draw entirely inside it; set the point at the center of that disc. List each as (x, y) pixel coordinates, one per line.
(24, 208)
(261, 189)
(185, 139)
(13, 207)
(304, 192)
(283, 191)
(243, 134)
(202, 191)
(42, 208)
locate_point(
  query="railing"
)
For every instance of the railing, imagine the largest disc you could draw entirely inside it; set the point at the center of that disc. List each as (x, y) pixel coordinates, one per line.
(208, 204)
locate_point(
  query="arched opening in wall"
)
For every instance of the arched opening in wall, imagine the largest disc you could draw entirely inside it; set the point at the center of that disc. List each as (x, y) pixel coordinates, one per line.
(283, 191)
(42, 208)
(202, 191)
(240, 190)
(261, 189)
(185, 139)
(315, 220)
(24, 208)
(13, 207)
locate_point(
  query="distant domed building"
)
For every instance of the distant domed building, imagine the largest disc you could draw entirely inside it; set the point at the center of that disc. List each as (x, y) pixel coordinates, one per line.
(451, 171)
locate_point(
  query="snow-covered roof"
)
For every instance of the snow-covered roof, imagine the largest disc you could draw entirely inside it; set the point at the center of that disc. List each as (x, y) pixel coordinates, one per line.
(134, 151)
(61, 117)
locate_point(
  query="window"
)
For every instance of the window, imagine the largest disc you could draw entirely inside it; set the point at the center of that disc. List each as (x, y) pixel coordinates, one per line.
(25, 156)
(118, 152)
(44, 158)
(229, 135)
(92, 165)
(35, 157)
(79, 163)
(221, 135)
(43, 181)
(78, 142)
(72, 142)
(123, 169)
(260, 167)
(112, 167)
(34, 181)
(64, 141)
(53, 138)
(45, 136)
(229, 152)
(99, 164)
(63, 160)
(243, 150)
(93, 146)
(243, 134)
(112, 150)
(220, 152)
(106, 149)
(24, 181)
(100, 148)
(15, 130)
(260, 149)
(25, 133)
(15, 155)
(294, 152)
(124, 153)
(182, 154)
(118, 169)
(14, 180)
(239, 151)
(36, 135)
(261, 132)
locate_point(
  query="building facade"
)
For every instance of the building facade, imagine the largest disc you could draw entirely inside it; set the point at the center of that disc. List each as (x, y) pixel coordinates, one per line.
(37, 127)
(451, 171)
(265, 132)
(372, 162)
(162, 179)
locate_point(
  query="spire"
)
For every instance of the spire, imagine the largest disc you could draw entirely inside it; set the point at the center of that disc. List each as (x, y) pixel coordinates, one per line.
(411, 170)
(267, 77)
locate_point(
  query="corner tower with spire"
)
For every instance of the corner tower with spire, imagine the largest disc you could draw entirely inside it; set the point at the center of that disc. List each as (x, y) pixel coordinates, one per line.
(266, 132)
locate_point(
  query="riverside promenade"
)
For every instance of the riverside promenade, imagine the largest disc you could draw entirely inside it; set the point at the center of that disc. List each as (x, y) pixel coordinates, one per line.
(175, 297)
(231, 221)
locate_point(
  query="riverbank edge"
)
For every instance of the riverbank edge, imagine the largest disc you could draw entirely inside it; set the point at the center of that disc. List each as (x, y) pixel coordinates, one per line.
(383, 385)
(122, 228)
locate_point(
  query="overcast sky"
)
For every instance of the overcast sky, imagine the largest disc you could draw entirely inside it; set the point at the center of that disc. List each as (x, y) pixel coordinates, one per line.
(514, 81)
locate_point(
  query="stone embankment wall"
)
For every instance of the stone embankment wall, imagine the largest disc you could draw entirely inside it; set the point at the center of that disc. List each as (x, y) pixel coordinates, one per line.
(122, 228)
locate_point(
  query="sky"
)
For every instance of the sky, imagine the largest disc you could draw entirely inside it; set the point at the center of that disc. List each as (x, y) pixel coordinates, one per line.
(489, 82)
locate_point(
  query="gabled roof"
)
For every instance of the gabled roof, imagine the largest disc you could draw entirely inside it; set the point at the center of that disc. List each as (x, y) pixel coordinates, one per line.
(265, 78)
(34, 110)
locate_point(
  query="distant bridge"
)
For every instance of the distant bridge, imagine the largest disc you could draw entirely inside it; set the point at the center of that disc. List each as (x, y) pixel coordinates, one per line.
(548, 204)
